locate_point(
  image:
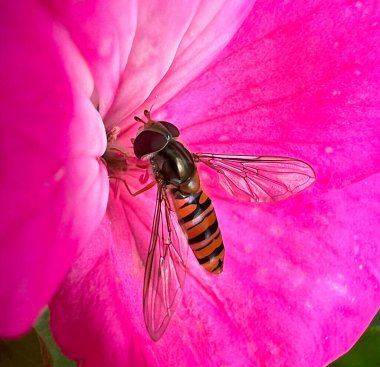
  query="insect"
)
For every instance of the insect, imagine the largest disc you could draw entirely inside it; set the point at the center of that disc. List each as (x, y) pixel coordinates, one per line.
(184, 215)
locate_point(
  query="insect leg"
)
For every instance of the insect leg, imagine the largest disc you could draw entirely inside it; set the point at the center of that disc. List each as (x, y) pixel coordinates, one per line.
(145, 188)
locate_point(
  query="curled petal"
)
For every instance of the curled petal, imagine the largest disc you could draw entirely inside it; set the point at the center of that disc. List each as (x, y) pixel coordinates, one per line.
(53, 188)
(103, 32)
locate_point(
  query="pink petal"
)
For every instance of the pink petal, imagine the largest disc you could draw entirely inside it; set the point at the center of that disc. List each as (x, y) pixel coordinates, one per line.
(212, 28)
(53, 188)
(160, 28)
(100, 327)
(103, 31)
(296, 80)
(274, 304)
(174, 42)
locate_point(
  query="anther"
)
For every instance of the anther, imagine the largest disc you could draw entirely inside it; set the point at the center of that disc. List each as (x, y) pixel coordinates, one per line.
(112, 134)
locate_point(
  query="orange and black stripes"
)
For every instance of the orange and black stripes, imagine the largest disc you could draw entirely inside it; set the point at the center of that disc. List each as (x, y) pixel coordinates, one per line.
(197, 217)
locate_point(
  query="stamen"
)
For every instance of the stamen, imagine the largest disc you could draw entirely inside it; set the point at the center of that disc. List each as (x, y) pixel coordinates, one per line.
(112, 134)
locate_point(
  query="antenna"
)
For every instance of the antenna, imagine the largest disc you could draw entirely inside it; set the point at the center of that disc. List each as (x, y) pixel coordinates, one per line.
(147, 114)
(139, 119)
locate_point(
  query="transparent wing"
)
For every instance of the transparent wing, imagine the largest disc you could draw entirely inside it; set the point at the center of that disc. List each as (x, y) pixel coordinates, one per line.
(165, 268)
(259, 178)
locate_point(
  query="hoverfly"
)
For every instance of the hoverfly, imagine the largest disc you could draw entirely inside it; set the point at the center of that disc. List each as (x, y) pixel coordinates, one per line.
(184, 215)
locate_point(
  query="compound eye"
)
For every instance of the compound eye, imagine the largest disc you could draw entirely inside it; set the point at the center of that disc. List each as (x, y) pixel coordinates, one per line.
(172, 128)
(148, 142)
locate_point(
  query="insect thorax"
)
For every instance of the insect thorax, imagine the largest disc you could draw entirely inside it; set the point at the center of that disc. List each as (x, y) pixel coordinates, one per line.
(174, 165)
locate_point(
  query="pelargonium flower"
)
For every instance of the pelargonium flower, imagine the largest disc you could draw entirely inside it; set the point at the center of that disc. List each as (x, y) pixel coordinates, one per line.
(300, 281)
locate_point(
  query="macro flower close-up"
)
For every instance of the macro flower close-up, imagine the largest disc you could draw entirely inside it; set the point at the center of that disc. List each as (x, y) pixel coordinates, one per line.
(300, 79)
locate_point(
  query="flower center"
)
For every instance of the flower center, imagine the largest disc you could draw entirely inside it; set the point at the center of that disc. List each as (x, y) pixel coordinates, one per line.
(123, 168)
(115, 157)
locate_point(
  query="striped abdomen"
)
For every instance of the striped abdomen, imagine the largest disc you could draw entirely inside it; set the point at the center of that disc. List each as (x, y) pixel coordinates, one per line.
(197, 218)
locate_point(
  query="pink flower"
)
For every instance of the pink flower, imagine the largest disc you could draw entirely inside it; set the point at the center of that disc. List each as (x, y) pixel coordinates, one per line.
(300, 281)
